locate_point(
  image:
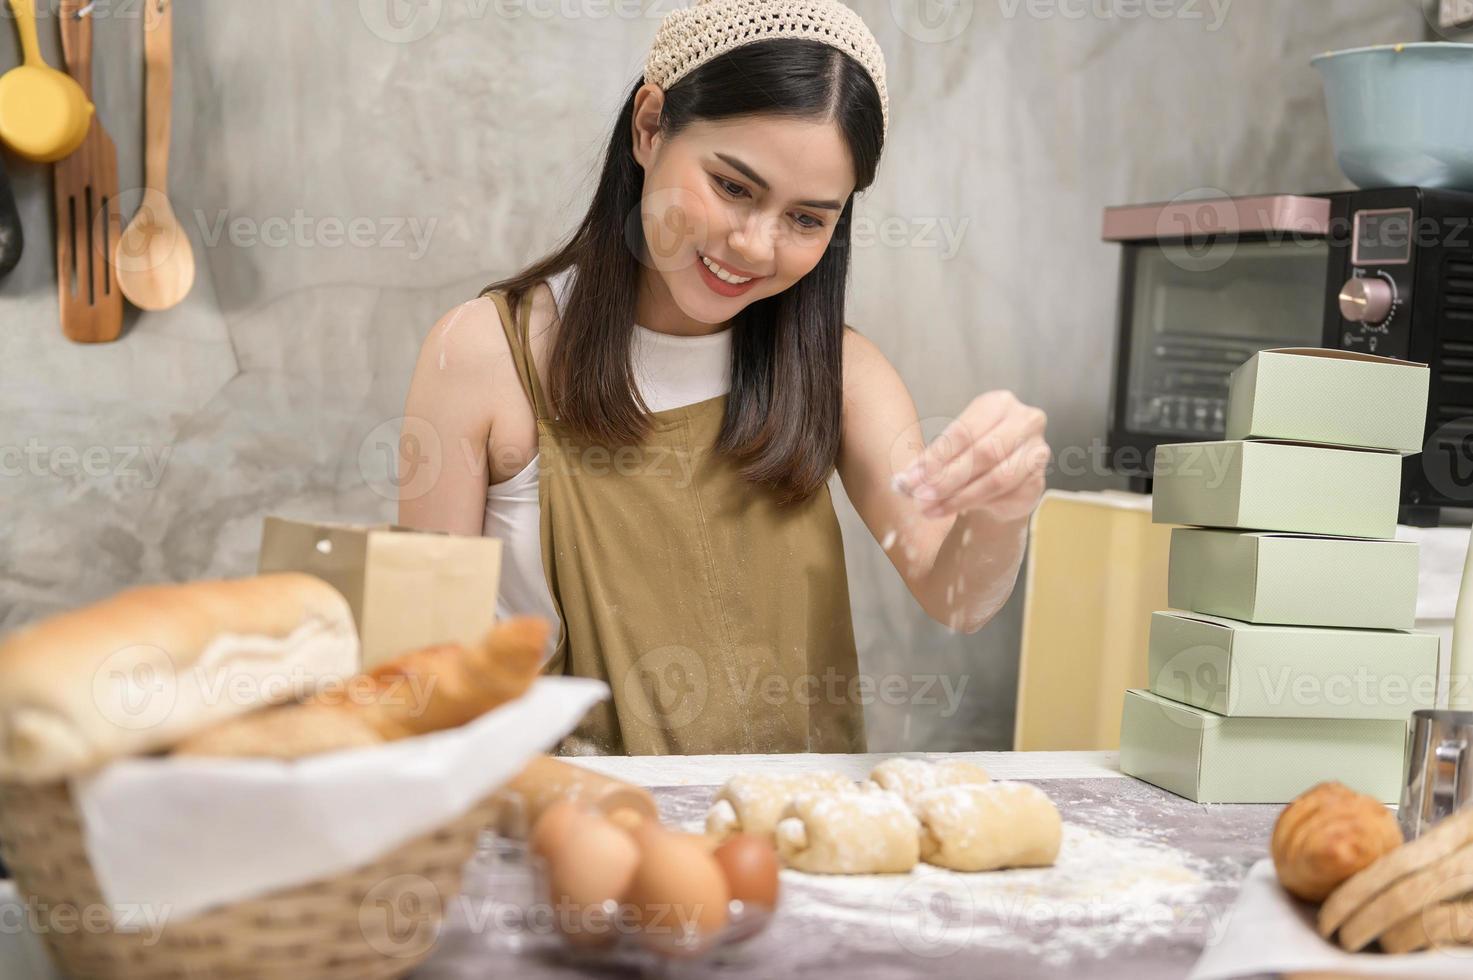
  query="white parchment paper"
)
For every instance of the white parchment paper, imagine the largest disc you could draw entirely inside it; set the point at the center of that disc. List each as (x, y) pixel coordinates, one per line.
(170, 837)
(1269, 932)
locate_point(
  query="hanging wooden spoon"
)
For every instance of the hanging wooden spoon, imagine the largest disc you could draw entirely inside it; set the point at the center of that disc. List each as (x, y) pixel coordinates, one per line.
(153, 259)
(88, 220)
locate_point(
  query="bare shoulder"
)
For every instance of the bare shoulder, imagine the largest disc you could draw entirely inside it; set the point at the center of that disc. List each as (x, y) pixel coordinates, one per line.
(867, 371)
(466, 342)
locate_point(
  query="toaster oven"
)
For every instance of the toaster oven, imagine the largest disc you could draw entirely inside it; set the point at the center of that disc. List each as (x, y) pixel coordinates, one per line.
(1205, 283)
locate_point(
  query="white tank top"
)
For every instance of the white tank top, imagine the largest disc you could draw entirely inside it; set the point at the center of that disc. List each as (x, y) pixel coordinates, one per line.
(670, 372)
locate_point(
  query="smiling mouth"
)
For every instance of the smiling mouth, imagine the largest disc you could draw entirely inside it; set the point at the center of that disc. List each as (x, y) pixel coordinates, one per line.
(724, 274)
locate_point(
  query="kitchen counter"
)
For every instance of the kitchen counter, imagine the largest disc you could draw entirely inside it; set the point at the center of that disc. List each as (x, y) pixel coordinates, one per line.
(1145, 879)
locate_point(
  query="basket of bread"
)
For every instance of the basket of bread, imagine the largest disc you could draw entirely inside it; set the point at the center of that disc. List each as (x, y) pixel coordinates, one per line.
(1344, 852)
(199, 781)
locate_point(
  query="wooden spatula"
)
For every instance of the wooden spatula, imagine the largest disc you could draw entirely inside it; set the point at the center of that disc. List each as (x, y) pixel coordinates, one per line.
(88, 220)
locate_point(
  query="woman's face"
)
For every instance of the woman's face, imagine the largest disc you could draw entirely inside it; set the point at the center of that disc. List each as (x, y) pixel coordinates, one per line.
(757, 196)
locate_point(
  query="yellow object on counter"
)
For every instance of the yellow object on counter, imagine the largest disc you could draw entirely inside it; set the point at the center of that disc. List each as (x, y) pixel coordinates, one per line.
(1096, 571)
(44, 114)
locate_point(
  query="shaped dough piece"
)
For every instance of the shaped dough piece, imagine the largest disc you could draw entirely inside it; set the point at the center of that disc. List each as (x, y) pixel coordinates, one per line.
(909, 778)
(990, 826)
(750, 803)
(866, 832)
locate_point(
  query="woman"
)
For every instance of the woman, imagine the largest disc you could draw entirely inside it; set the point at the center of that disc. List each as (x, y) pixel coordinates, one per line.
(648, 417)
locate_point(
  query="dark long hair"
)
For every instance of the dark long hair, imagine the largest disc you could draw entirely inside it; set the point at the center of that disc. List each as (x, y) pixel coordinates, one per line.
(784, 411)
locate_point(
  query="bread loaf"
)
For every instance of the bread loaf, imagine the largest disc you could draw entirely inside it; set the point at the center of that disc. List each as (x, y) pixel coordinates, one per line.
(1433, 848)
(1328, 834)
(438, 687)
(140, 671)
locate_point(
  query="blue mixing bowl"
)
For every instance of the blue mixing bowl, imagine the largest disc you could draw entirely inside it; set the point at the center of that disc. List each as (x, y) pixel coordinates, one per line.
(1402, 114)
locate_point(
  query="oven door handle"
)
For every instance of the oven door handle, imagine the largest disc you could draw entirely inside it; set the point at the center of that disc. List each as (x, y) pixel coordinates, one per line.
(1285, 214)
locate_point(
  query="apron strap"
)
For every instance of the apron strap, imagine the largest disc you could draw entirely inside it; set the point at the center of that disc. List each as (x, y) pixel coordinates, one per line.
(518, 329)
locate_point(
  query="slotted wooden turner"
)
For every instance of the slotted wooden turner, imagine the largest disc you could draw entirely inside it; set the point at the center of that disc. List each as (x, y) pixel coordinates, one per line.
(88, 219)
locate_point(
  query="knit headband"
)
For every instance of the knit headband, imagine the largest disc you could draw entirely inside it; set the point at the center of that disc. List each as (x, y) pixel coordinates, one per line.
(688, 37)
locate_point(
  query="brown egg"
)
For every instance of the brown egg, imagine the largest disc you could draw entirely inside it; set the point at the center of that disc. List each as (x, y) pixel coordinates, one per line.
(678, 896)
(551, 827)
(750, 866)
(589, 870)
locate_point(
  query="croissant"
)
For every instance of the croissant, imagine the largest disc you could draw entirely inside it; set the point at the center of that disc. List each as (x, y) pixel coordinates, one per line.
(430, 689)
(1328, 834)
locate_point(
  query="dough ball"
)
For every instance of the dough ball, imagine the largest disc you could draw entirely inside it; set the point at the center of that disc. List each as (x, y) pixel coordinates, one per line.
(750, 803)
(909, 778)
(865, 832)
(988, 826)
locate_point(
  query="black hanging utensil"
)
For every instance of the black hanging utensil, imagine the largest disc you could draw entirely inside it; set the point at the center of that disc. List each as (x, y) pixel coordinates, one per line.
(11, 239)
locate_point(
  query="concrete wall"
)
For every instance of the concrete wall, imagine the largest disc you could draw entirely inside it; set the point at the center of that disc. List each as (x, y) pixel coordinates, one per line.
(454, 140)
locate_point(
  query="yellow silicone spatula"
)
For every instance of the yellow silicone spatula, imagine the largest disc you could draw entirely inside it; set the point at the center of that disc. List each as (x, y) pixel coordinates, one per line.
(44, 114)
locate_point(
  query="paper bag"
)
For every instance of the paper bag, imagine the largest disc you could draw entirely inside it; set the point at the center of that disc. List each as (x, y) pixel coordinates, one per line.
(407, 589)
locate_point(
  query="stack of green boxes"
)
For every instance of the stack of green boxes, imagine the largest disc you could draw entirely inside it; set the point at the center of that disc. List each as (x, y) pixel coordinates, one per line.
(1293, 659)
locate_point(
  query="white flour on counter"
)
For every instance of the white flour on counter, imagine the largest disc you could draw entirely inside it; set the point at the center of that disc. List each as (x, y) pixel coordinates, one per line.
(1104, 892)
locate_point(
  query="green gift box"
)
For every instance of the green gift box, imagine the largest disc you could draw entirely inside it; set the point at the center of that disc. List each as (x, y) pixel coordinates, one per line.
(1248, 670)
(1339, 397)
(1293, 579)
(1277, 486)
(1211, 759)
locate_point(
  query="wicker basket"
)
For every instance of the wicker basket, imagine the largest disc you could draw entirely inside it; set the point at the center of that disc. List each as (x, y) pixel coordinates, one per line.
(379, 921)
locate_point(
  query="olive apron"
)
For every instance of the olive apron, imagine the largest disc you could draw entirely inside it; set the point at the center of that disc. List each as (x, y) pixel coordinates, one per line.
(718, 617)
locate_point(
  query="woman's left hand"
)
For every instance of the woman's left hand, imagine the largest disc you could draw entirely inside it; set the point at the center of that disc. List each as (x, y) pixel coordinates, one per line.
(991, 460)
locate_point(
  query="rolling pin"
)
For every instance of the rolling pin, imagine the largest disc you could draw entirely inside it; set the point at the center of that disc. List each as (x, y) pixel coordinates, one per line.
(545, 780)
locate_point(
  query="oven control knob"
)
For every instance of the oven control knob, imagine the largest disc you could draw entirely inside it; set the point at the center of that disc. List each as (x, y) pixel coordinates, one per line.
(1366, 301)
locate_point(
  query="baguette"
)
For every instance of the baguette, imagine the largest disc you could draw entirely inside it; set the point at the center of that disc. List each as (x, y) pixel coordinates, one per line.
(139, 671)
(438, 687)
